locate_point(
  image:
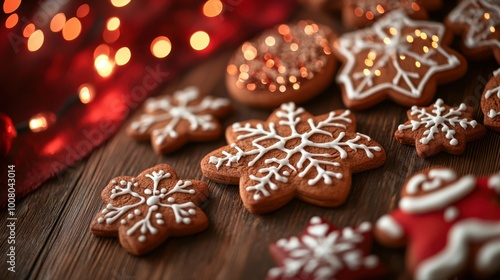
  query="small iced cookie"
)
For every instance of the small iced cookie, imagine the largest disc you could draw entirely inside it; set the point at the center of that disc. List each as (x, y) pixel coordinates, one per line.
(170, 121)
(478, 22)
(293, 154)
(290, 62)
(326, 252)
(439, 127)
(144, 211)
(490, 102)
(449, 224)
(397, 58)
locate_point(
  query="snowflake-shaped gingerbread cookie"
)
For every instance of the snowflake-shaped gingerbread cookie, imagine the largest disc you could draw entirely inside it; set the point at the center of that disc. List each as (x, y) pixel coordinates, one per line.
(173, 120)
(325, 252)
(144, 211)
(439, 127)
(479, 23)
(293, 154)
(490, 102)
(398, 58)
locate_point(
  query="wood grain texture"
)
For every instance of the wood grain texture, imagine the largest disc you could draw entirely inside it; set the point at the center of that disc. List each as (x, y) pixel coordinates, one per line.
(54, 242)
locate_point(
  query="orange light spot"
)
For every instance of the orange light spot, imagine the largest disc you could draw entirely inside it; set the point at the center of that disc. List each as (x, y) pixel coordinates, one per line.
(212, 8)
(250, 53)
(113, 23)
(71, 29)
(380, 9)
(101, 49)
(86, 93)
(369, 15)
(10, 6)
(110, 36)
(199, 40)
(415, 7)
(161, 47)
(122, 56)
(30, 28)
(283, 29)
(232, 69)
(104, 65)
(11, 21)
(119, 3)
(35, 41)
(57, 22)
(358, 12)
(41, 122)
(83, 11)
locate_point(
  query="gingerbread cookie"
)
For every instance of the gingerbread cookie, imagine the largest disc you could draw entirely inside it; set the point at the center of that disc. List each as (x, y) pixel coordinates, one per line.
(397, 58)
(357, 14)
(325, 252)
(450, 224)
(439, 127)
(171, 121)
(144, 211)
(286, 63)
(490, 102)
(293, 154)
(478, 21)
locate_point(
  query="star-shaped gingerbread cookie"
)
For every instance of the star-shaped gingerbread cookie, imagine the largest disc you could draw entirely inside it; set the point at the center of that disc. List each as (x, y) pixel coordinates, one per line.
(325, 252)
(478, 21)
(490, 102)
(293, 154)
(397, 58)
(144, 211)
(170, 121)
(439, 127)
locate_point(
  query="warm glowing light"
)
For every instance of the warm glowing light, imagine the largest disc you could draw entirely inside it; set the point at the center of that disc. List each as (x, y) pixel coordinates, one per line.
(402, 57)
(492, 29)
(83, 11)
(161, 47)
(86, 93)
(368, 62)
(377, 73)
(270, 41)
(280, 80)
(272, 88)
(387, 41)
(232, 69)
(251, 86)
(113, 23)
(28, 29)
(199, 40)
(283, 29)
(369, 15)
(425, 49)
(435, 38)
(409, 38)
(122, 56)
(423, 35)
(282, 88)
(415, 7)
(119, 3)
(244, 68)
(393, 31)
(71, 29)
(380, 9)
(372, 55)
(294, 47)
(270, 63)
(212, 8)
(434, 45)
(366, 72)
(486, 16)
(11, 21)
(417, 32)
(309, 29)
(104, 65)
(296, 86)
(10, 6)
(41, 122)
(250, 53)
(101, 49)
(292, 79)
(57, 22)
(35, 40)
(358, 12)
(418, 64)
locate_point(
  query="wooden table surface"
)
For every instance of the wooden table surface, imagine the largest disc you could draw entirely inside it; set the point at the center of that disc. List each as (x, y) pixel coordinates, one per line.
(53, 240)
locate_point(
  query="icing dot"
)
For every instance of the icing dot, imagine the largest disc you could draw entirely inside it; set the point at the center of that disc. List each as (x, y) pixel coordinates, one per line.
(153, 201)
(191, 191)
(132, 180)
(163, 190)
(123, 222)
(123, 183)
(450, 214)
(113, 191)
(281, 242)
(100, 220)
(286, 173)
(454, 142)
(130, 216)
(162, 172)
(142, 238)
(365, 226)
(160, 222)
(113, 182)
(147, 191)
(274, 272)
(137, 212)
(109, 206)
(315, 220)
(157, 192)
(171, 199)
(158, 215)
(154, 207)
(136, 184)
(192, 211)
(186, 221)
(371, 261)
(104, 211)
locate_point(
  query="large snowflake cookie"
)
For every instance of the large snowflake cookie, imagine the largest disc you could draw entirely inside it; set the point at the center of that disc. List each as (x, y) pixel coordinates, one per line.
(450, 224)
(170, 121)
(490, 102)
(144, 211)
(397, 58)
(325, 252)
(293, 154)
(439, 127)
(479, 23)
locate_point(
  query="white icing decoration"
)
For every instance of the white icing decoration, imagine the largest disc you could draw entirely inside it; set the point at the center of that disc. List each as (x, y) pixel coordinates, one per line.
(492, 92)
(153, 200)
(472, 14)
(290, 116)
(494, 183)
(488, 257)
(454, 256)
(436, 118)
(100, 220)
(450, 214)
(388, 54)
(321, 254)
(437, 176)
(439, 198)
(170, 110)
(389, 226)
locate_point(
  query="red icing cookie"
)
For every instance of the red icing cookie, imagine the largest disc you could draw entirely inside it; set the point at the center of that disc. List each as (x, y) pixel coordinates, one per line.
(450, 224)
(478, 21)
(326, 252)
(490, 102)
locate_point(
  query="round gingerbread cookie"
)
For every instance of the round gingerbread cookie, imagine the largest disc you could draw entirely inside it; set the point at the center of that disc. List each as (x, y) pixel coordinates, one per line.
(397, 58)
(449, 224)
(490, 102)
(290, 62)
(478, 21)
